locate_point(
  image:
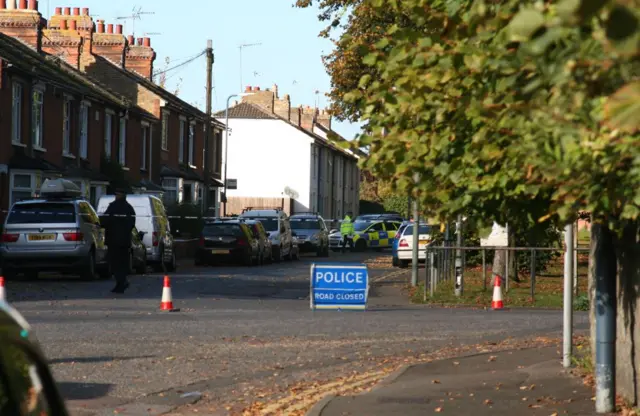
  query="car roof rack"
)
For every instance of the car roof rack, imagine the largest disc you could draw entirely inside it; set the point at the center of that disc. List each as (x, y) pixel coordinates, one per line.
(60, 189)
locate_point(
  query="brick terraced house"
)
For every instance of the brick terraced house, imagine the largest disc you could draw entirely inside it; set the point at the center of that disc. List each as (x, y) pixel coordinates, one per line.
(77, 101)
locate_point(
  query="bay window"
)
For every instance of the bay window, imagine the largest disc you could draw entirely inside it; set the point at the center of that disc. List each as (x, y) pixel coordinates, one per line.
(84, 131)
(108, 134)
(16, 114)
(37, 118)
(122, 142)
(66, 126)
(181, 143)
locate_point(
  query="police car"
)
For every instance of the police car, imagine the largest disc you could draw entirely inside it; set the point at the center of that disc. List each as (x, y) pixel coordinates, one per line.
(369, 234)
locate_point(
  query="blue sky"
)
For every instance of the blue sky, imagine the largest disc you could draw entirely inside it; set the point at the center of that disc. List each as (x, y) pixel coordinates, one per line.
(290, 54)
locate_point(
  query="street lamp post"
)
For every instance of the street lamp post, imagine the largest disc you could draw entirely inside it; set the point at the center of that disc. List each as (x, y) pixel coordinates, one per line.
(226, 151)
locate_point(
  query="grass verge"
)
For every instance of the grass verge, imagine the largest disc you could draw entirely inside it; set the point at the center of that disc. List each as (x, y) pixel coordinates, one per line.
(549, 287)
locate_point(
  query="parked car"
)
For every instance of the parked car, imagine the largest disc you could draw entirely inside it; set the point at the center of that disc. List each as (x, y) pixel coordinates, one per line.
(311, 232)
(59, 231)
(276, 222)
(27, 386)
(389, 216)
(405, 244)
(151, 218)
(368, 234)
(138, 252)
(260, 234)
(396, 240)
(227, 239)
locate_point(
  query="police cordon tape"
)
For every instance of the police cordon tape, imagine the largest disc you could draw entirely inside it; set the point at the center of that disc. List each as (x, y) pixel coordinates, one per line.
(170, 217)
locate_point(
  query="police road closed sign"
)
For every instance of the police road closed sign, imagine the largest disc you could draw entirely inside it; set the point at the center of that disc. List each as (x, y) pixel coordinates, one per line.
(339, 286)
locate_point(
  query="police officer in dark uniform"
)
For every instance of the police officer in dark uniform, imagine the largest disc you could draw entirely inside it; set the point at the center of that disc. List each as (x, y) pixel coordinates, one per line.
(118, 221)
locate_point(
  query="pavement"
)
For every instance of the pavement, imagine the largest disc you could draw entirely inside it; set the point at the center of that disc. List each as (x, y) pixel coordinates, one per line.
(525, 382)
(241, 333)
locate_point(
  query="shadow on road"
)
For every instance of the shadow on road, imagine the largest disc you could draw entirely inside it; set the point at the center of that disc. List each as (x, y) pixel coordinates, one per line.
(102, 359)
(83, 391)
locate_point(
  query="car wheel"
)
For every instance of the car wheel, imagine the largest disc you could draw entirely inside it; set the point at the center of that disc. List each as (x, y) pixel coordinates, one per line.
(361, 246)
(142, 267)
(89, 270)
(404, 264)
(248, 259)
(172, 266)
(277, 254)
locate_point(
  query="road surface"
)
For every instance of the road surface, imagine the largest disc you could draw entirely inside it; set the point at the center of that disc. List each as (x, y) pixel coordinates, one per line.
(240, 333)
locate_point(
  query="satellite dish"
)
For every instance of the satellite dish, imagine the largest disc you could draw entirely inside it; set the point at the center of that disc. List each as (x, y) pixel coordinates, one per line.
(291, 193)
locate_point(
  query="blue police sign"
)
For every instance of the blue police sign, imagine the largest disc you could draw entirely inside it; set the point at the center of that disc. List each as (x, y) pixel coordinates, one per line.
(339, 286)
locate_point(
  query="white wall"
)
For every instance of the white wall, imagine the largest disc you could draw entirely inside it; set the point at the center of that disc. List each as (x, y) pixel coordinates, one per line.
(265, 156)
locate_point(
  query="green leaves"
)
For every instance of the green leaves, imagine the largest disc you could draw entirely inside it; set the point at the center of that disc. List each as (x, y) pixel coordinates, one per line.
(623, 109)
(527, 22)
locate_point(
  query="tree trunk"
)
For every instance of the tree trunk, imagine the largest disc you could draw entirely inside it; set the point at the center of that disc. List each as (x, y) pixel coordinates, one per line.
(499, 259)
(627, 336)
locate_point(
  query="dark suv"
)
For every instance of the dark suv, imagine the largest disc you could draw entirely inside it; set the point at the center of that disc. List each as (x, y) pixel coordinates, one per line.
(26, 384)
(311, 232)
(227, 239)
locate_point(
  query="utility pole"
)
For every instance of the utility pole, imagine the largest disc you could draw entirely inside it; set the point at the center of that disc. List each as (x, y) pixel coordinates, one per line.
(207, 130)
(568, 297)
(459, 269)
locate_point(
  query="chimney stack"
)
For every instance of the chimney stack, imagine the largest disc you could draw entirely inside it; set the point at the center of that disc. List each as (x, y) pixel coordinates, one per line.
(295, 116)
(22, 21)
(263, 99)
(307, 117)
(140, 56)
(282, 107)
(109, 45)
(324, 118)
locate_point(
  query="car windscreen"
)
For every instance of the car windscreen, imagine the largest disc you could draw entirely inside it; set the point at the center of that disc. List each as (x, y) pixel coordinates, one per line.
(42, 213)
(305, 224)
(269, 224)
(361, 225)
(423, 229)
(220, 230)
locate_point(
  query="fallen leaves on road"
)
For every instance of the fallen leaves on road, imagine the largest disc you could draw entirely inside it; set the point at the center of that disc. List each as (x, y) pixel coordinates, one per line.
(488, 402)
(438, 409)
(435, 381)
(492, 358)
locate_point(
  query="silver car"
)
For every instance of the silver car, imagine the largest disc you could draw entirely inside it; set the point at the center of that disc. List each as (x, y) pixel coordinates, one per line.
(53, 234)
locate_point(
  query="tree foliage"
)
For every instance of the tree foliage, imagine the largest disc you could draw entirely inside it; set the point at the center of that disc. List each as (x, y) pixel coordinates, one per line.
(510, 111)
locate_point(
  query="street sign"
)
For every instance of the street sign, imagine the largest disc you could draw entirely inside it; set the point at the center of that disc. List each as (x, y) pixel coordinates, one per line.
(232, 184)
(499, 237)
(339, 286)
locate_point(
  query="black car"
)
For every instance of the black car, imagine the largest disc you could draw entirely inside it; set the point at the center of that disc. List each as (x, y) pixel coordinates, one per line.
(227, 240)
(311, 232)
(26, 384)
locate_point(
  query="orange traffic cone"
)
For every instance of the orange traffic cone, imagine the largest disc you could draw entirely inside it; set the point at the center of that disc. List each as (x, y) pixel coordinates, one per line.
(2, 293)
(496, 303)
(167, 300)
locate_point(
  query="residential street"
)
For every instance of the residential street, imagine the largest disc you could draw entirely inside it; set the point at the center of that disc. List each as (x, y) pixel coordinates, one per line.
(242, 334)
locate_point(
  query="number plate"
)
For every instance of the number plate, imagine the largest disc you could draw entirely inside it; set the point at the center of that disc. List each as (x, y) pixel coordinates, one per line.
(219, 251)
(42, 237)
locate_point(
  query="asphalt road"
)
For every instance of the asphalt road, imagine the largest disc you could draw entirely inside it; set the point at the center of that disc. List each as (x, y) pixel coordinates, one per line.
(238, 329)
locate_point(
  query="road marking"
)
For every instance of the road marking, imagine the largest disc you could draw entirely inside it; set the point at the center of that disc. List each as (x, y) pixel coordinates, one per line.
(389, 275)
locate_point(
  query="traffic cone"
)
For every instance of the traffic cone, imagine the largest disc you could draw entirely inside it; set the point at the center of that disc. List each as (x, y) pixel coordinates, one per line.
(167, 300)
(2, 293)
(496, 303)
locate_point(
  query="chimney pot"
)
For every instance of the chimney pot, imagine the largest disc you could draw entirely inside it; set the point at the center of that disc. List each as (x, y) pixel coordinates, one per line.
(256, 88)
(147, 42)
(100, 26)
(67, 11)
(76, 11)
(119, 29)
(110, 28)
(73, 25)
(11, 4)
(247, 89)
(33, 5)
(85, 11)
(130, 40)
(139, 43)
(63, 25)
(58, 11)
(3, 4)
(22, 5)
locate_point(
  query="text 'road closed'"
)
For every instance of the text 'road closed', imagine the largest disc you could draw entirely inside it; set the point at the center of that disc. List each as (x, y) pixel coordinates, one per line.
(339, 277)
(320, 296)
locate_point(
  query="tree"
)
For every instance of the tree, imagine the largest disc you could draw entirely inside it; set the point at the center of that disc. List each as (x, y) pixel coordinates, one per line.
(512, 111)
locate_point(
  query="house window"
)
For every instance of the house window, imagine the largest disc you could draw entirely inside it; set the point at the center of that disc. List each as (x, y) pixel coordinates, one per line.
(22, 186)
(16, 114)
(84, 131)
(192, 133)
(181, 143)
(187, 196)
(122, 142)
(37, 118)
(145, 141)
(170, 187)
(66, 126)
(108, 134)
(165, 131)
